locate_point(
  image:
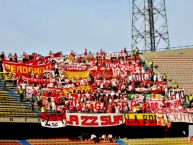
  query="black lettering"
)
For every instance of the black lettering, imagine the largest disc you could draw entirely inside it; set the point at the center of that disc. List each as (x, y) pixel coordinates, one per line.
(55, 124)
(151, 119)
(170, 92)
(62, 117)
(145, 119)
(136, 120)
(155, 117)
(175, 94)
(181, 93)
(48, 116)
(128, 119)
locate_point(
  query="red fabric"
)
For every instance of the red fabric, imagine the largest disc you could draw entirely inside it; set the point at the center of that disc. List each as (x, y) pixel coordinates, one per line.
(91, 58)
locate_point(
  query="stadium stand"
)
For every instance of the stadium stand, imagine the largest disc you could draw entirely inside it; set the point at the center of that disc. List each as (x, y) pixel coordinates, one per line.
(177, 64)
(11, 107)
(65, 89)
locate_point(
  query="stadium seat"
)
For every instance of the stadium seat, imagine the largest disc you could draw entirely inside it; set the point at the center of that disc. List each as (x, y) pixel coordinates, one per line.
(177, 66)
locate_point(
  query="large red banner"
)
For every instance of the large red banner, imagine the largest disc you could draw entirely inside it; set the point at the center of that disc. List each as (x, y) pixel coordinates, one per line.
(24, 68)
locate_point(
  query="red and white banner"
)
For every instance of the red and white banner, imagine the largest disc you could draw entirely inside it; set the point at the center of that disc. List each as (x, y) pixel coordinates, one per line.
(83, 82)
(111, 54)
(94, 120)
(74, 67)
(169, 110)
(68, 86)
(44, 81)
(172, 104)
(97, 106)
(180, 117)
(53, 120)
(156, 104)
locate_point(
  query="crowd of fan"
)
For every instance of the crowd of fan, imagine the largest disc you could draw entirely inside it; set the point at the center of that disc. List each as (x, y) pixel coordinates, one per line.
(107, 89)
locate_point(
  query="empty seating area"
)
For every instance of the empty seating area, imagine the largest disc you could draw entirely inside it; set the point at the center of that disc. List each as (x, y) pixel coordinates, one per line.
(159, 141)
(65, 141)
(11, 107)
(177, 66)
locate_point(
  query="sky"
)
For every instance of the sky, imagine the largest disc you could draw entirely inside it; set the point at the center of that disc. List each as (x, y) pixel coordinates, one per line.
(62, 25)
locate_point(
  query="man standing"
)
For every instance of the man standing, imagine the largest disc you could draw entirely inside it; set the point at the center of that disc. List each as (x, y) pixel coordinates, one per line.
(151, 64)
(32, 103)
(136, 51)
(175, 85)
(4, 80)
(93, 137)
(164, 77)
(43, 109)
(2, 55)
(20, 93)
(190, 98)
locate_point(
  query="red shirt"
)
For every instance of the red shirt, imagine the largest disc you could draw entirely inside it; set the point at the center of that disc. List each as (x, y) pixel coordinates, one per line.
(85, 51)
(101, 52)
(97, 53)
(62, 92)
(79, 58)
(91, 107)
(110, 110)
(45, 94)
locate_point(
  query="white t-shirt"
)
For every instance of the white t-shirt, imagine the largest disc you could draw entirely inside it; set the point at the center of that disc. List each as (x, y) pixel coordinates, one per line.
(110, 136)
(23, 86)
(117, 109)
(53, 106)
(102, 136)
(93, 136)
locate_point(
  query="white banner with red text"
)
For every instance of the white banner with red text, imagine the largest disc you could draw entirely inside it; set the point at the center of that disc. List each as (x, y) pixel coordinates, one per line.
(169, 110)
(157, 104)
(94, 120)
(180, 117)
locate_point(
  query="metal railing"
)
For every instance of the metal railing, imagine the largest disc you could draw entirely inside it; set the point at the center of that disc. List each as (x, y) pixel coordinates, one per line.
(171, 48)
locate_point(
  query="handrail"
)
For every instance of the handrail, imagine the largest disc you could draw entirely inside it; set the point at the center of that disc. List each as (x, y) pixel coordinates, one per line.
(171, 48)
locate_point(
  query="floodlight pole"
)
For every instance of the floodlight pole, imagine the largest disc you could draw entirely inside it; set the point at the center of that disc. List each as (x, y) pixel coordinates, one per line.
(149, 25)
